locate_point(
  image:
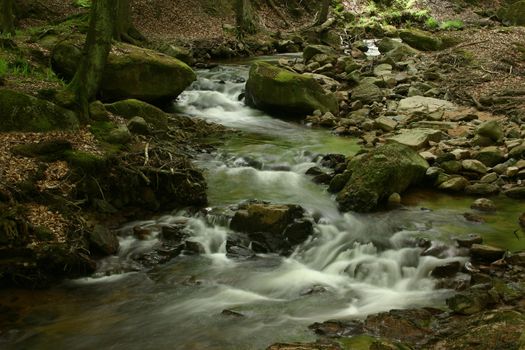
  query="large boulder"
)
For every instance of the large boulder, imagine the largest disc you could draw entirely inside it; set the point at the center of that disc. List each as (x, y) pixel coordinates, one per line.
(421, 40)
(279, 91)
(391, 168)
(131, 72)
(21, 112)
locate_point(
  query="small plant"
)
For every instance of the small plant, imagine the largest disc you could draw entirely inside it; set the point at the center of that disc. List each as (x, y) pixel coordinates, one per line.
(20, 67)
(3, 67)
(452, 25)
(431, 23)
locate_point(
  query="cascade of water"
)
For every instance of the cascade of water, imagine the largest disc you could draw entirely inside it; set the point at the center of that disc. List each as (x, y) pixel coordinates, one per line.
(351, 267)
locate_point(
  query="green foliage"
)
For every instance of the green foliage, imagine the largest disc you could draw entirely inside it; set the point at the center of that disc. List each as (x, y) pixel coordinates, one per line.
(431, 23)
(3, 67)
(82, 3)
(452, 25)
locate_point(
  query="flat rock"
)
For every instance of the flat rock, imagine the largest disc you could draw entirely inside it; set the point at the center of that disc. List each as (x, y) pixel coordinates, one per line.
(421, 104)
(385, 123)
(417, 138)
(486, 253)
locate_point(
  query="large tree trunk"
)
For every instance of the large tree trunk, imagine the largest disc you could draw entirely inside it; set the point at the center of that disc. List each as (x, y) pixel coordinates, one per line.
(85, 84)
(323, 13)
(7, 18)
(124, 30)
(244, 18)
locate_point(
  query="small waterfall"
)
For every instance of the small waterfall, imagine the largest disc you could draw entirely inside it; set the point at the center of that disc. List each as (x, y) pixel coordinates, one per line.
(352, 266)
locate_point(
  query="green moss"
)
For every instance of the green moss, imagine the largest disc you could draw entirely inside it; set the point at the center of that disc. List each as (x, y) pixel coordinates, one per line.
(134, 108)
(3, 67)
(86, 161)
(101, 129)
(286, 93)
(421, 40)
(22, 112)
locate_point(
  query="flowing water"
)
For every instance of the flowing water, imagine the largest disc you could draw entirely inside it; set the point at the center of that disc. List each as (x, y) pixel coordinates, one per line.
(352, 266)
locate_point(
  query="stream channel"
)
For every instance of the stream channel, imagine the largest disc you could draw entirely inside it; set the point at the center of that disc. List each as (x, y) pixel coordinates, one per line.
(353, 265)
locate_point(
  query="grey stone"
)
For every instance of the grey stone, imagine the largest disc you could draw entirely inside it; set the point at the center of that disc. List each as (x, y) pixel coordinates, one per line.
(474, 165)
(417, 138)
(454, 184)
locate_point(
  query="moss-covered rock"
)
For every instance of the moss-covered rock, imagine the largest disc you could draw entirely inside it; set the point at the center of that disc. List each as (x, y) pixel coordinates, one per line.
(421, 40)
(279, 91)
(87, 162)
(312, 50)
(21, 112)
(50, 150)
(134, 108)
(131, 72)
(391, 168)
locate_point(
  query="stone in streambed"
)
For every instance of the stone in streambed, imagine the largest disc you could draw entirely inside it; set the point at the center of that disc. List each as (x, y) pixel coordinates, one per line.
(367, 93)
(474, 165)
(491, 129)
(516, 192)
(490, 156)
(283, 222)
(482, 189)
(454, 184)
(483, 204)
(391, 168)
(282, 92)
(103, 241)
(486, 253)
(416, 138)
(468, 240)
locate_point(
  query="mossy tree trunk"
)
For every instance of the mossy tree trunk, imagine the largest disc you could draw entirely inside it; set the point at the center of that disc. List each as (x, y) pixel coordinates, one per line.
(7, 17)
(124, 30)
(85, 84)
(323, 13)
(244, 18)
